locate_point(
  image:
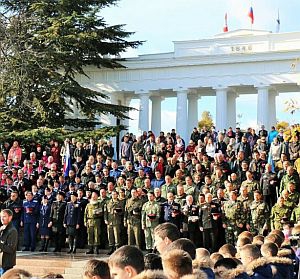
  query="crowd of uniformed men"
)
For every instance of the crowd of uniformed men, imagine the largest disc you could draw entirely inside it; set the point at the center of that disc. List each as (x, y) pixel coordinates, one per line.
(212, 188)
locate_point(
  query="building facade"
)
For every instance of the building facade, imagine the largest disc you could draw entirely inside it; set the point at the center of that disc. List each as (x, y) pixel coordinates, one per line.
(225, 66)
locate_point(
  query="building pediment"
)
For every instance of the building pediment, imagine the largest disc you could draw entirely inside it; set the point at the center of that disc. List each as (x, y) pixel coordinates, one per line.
(242, 41)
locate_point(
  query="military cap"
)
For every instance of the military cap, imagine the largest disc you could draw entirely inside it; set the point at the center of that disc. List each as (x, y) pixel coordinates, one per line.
(74, 194)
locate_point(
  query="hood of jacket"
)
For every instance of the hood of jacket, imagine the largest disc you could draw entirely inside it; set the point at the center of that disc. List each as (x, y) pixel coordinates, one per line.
(260, 269)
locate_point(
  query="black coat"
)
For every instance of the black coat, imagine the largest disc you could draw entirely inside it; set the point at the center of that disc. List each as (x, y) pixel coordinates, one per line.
(57, 215)
(8, 245)
(72, 214)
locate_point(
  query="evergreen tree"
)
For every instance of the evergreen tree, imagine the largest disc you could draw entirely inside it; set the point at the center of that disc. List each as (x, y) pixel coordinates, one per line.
(44, 46)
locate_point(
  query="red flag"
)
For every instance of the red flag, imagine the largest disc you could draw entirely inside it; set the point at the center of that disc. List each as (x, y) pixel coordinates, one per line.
(251, 15)
(225, 28)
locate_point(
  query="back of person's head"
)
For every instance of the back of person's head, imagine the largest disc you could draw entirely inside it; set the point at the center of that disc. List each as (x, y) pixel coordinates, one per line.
(229, 268)
(52, 275)
(258, 240)
(246, 234)
(270, 238)
(275, 238)
(228, 251)
(16, 273)
(152, 261)
(198, 274)
(96, 268)
(278, 232)
(203, 258)
(202, 253)
(151, 274)
(279, 237)
(269, 250)
(228, 263)
(242, 241)
(184, 244)
(248, 253)
(177, 263)
(127, 256)
(168, 230)
(216, 257)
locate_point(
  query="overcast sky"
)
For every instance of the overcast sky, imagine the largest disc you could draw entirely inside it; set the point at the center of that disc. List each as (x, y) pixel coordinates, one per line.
(160, 22)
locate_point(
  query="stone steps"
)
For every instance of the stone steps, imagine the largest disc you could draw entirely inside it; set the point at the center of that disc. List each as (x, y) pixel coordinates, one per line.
(70, 266)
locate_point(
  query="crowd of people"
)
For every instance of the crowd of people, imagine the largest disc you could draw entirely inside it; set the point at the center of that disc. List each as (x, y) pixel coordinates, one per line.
(212, 188)
(256, 257)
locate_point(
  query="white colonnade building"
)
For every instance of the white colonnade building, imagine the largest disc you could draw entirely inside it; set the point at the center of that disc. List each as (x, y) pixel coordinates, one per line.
(225, 66)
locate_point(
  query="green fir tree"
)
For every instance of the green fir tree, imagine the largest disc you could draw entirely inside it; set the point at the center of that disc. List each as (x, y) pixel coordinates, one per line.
(44, 46)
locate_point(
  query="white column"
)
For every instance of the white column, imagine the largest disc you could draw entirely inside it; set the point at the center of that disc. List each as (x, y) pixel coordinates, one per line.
(113, 101)
(263, 106)
(144, 112)
(231, 109)
(192, 112)
(124, 101)
(156, 115)
(272, 109)
(181, 114)
(221, 109)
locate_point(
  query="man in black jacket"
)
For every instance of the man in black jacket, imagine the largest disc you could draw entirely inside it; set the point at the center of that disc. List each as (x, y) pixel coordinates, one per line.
(8, 241)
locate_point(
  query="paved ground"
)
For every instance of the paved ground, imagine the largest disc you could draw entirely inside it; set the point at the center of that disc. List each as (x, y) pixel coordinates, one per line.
(80, 255)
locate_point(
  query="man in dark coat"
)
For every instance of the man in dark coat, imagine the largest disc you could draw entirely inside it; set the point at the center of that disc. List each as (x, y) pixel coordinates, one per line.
(8, 241)
(171, 211)
(72, 221)
(57, 214)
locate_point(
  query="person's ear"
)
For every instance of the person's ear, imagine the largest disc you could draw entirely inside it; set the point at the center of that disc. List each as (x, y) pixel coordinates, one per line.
(167, 240)
(130, 271)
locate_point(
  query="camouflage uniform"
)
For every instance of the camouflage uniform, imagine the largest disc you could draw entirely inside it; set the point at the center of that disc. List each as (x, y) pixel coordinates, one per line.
(92, 221)
(177, 181)
(259, 217)
(246, 202)
(286, 179)
(103, 231)
(190, 190)
(150, 219)
(295, 217)
(181, 199)
(165, 189)
(123, 230)
(251, 186)
(294, 197)
(132, 219)
(232, 216)
(113, 212)
(279, 214)
(139, 182)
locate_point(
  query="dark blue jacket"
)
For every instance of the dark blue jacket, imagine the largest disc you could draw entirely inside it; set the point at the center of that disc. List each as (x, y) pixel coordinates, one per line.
(44, 215)
(30, 212)
(209, 272)
(72, 214)
(283, 267)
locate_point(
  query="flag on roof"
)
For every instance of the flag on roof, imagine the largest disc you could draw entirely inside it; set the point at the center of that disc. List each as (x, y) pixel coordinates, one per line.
(225, 28)
(251, 15)
(278, 23)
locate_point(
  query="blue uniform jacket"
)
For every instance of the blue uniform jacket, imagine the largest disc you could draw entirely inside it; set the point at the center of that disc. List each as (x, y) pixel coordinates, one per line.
(30, 212)
(44, 215)
(72, 214)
